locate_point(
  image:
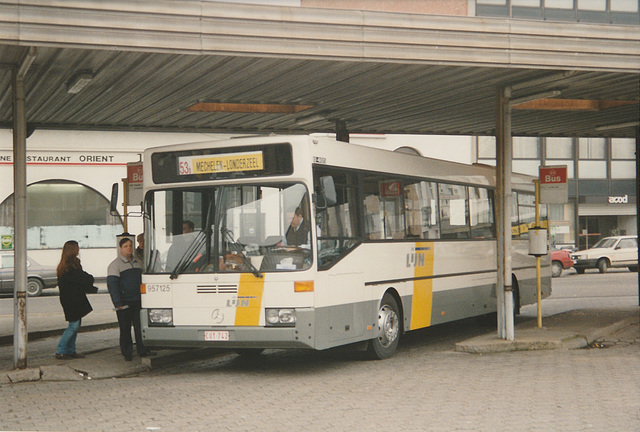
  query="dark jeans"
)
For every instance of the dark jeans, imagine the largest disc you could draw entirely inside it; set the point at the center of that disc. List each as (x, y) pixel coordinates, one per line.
(126, 318)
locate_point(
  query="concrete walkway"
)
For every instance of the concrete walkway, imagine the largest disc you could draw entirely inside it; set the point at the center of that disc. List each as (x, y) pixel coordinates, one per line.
(569, 330)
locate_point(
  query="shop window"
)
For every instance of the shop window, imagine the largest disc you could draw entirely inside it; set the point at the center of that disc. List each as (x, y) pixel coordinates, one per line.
(60, 210)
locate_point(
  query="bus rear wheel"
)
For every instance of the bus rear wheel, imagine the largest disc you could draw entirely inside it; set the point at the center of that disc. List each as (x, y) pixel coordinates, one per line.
(387, 337)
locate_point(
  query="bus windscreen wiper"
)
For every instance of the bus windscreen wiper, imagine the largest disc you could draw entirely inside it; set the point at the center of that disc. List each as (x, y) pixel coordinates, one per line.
(239, 248)
(192, 251)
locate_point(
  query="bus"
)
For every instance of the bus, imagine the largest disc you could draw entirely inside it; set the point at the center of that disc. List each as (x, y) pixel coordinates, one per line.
(306, 242)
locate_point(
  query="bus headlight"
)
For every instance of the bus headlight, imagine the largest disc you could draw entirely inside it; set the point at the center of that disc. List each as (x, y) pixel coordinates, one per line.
(280, 317)
(160, 317)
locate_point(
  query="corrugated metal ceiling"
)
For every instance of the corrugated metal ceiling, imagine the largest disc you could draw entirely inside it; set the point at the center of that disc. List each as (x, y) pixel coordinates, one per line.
(144, 88)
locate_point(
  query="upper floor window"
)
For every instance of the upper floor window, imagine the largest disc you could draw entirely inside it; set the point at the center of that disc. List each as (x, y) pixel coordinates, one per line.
(559, 4)
(559, 148)
(623, 148)
(602, 11)
(593, 5)
(526, 148)
(592, 148)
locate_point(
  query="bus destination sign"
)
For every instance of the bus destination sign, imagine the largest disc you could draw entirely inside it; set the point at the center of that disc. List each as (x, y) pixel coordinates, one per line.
(220, 163)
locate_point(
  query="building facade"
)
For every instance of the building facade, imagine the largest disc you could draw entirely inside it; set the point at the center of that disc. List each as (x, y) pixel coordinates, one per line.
(601, 179)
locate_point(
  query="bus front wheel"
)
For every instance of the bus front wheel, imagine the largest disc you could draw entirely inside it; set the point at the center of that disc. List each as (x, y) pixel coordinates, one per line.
(387, 330)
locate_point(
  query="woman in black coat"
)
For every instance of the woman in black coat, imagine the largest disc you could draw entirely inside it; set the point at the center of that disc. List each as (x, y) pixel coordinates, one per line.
(73, 283)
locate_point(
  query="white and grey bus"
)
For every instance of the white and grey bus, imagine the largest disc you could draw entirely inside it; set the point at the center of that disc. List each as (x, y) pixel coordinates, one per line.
(306, 242)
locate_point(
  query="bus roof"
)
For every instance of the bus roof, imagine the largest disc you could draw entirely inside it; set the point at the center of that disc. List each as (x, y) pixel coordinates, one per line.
(329, 152)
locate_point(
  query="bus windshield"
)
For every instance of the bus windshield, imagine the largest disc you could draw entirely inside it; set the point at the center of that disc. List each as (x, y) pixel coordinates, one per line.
(248, 228)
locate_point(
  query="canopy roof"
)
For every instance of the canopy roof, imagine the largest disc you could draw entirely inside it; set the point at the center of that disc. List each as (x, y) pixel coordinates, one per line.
(206, 66)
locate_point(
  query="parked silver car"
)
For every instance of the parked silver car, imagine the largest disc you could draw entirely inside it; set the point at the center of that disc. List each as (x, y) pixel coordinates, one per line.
(618, 251)
(39, 277)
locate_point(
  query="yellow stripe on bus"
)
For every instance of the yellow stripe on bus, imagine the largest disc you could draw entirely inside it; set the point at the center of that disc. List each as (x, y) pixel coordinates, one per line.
(249, 300)
(422, 301)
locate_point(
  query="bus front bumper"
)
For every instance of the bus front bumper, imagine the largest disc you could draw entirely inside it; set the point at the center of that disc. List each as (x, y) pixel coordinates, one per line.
(300, 336)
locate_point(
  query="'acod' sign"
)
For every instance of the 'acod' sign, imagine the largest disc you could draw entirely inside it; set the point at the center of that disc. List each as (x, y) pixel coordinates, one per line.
(553, 184)
(619, 199)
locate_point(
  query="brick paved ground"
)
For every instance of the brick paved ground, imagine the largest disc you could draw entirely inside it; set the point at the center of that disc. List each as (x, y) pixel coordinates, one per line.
(425, 387)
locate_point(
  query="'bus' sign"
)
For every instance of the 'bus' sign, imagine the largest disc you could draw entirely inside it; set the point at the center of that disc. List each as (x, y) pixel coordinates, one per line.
(134, 182)
(553, 184)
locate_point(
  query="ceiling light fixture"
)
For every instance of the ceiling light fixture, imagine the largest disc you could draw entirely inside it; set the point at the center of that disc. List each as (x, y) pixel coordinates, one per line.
(249, 108)
(79, 81)
(572, 104)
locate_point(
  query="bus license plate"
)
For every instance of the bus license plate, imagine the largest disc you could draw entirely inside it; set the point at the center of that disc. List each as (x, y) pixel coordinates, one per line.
(216, 335)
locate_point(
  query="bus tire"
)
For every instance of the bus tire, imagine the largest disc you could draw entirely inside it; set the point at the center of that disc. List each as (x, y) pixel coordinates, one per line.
(387, 328)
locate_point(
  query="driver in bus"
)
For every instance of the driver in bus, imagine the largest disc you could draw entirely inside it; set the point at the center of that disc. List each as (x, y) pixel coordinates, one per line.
(299, 232)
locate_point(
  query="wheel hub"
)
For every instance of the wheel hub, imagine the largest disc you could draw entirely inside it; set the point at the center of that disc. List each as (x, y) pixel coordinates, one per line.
(388, 326)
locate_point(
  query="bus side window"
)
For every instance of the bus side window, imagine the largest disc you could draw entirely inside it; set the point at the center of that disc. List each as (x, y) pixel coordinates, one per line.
(454, 211)
(384, 207)
(421, 203)
(336, 222)
(481, 213)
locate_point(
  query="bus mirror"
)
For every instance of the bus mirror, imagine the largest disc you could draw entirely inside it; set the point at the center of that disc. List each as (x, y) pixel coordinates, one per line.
(327, 196)
(113, 204)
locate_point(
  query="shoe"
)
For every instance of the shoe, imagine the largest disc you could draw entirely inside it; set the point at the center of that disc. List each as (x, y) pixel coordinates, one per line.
(64, 356)
(128, 358)
(77, 355)
(148, 354)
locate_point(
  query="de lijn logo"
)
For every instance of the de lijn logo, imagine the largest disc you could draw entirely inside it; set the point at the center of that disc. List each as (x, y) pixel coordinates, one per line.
(417, 258)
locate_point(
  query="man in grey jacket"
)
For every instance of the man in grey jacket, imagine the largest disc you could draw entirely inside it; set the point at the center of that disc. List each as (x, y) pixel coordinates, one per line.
(124, 277)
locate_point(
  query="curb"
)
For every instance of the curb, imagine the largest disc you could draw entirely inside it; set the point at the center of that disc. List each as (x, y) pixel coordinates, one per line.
(570, 340)
(43, 334)
(605, 331)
